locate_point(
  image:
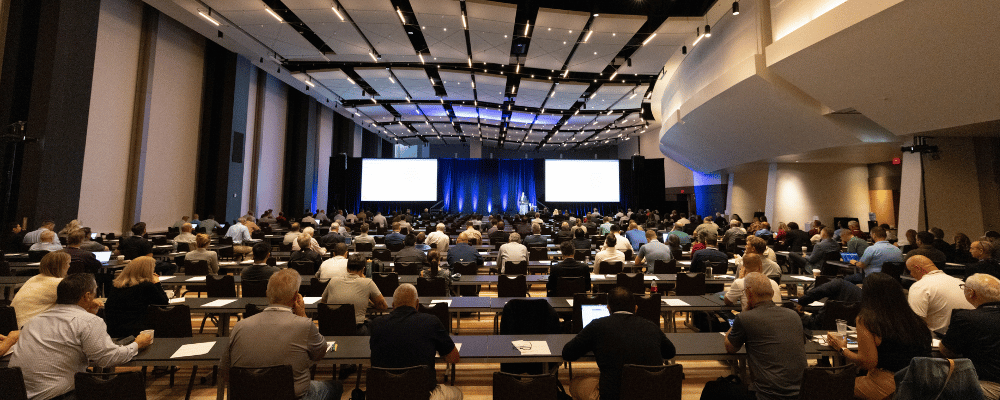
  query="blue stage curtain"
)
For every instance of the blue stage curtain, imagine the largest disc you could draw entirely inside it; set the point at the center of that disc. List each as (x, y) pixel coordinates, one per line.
(516, 176)
(485, 186)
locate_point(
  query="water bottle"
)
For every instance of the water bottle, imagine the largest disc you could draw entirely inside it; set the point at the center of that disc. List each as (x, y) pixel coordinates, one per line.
(708, 271)
(652, 287)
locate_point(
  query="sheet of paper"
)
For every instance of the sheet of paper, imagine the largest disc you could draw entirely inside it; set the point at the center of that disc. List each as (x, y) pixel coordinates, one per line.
(534, 347)
(177, 300)
(595, 277)
(227, 263)
(684, 262)
(166, 278)
(311, 300)
(816, 304)
(722, 276)
(650, 278)
(448, 302)
(570, 301)
(195, 279)
(194, 349)
(935, 343)
(34, 264)
(723, 333)
(458, 346)
(675, 302)
(545, 262)
(805, 278)
(219, 303)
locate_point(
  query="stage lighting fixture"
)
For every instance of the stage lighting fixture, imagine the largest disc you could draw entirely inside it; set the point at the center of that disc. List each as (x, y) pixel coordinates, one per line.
(736, 8)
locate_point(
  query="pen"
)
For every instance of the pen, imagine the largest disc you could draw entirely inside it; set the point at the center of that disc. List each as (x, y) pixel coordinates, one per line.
(335, 347)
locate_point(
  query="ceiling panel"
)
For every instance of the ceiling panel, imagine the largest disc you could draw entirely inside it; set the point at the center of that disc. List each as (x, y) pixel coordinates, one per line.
(235, 5)
(611, 33)
(607, 95)
(516, 135)
(336, 81)
(457, 84)
(339, 35)
(553, 37)
(434, 112)
(490, 88)
(630, 101)
(565, 95)
(670, 36)
(445, 129)
(380, 24)
(531, 92)
(378, 79)
(522, 117)
(416, 82)
(490, 115)
(441, 25)
(491, 26)
(280, 37)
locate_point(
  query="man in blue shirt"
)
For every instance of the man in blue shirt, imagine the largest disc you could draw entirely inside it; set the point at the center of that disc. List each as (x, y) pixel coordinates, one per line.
(635, 236)
(875, 255)
(462, 252)
(650, 252)
(241, 237)
(394, 237)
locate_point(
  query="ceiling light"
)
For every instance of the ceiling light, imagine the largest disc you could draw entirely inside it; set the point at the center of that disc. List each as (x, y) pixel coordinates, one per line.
(736, 8)
(648, 39)
(400, 12)
(464, 23)
(596, 14)
(470, 63)
(421, 57)
(351, 80)
(372, 55)
(309, 82)
(209, 18)
(338, 13)
(697, 31)
(526, 27)
(273, 14)
(391, 80)
(613, 75)
(374, 101)
(633, 95)
(565, 73)
(517, 69)
(586, 38)
(708, 30)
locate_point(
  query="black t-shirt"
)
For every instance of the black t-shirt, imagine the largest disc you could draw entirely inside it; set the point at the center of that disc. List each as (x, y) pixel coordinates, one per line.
(975, 334)
(406, 338)
(134, 246)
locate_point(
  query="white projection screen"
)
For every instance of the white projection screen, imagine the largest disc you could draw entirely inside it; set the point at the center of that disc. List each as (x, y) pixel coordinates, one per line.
(398, 179)
(581, 181)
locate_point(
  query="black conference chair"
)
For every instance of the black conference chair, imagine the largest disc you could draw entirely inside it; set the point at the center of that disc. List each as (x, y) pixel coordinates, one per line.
(275, 382)
(399, 383)
(515, 268)
(12, 382)
(432, 287)
(507, 386)
(386, 282)
(512, 286)
(644, 382)
(121, 385)
(828, 383)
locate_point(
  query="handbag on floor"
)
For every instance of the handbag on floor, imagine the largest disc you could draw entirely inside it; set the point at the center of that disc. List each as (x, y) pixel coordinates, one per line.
(725, 388)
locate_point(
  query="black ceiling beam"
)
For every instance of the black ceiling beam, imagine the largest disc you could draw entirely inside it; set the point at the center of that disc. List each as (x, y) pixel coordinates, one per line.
(360, 82)
(293, 20)
(447, 105)
(412, 26)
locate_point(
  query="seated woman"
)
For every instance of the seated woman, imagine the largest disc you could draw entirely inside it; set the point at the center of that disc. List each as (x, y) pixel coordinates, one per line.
(39, 293)
(890, 334)
(202, 253)
(135, 289)
(433, 268)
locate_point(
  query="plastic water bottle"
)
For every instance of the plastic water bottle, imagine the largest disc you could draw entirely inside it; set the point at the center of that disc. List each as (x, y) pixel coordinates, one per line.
(708, 272)
(652, 287)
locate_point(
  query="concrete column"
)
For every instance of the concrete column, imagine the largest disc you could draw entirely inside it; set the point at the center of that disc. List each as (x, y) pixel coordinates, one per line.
(356, 150)
(772, 190)
(475, 148)
(910, 190)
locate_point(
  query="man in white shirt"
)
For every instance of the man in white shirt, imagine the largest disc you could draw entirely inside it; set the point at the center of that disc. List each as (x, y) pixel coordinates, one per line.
(706, 226)
(292, 235)
(185, 236)
(538, 219)
(379, 220)
(683, 220)
(751, 263)
(608, 253)
(335, 267)
(438, 239)
(35, 235)
(934, 294)
(513, 250)
(308, 220)
(351, 218)
(313, 244)
(62, 341)
(470, 230)
(48, 242)
(622, 243)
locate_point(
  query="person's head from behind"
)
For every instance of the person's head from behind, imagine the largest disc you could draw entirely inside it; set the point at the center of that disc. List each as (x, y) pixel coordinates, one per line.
(76, 237)
(757, 288)
(925, 238)
(709, 238)
(462, 238)
(981, 289)
(878, 234)
(295, 227)
(920, 266)
(139, 229)
(846, 235)
(752, 263)
(304, 241)
(615, 229)
(137, 271)
(48, 224)
(187, 227)
(335, 227)
(981, 249)
(261, 251)
(962, 241)
(405, 296)
(470, 225)
(707, 220)
(54, 264)
(536, 229)
(826, 233)
(756, 245)
(611, 241)
(938, 233)
(673, 241)
(283, 286)
(911, 236)
(678, 226)
(650, 235)
(513, 238)
(47, 237)
(580, 234)
(500, 225)
(734, 224)
(621, 299)
(202, 241)
(340, 249)
(433, 258)
(567, 249)
(410, 240)
(564, 226)
(421, 237)
(886, 312)
(76, 288)
(309, 231)
(356, 263)
(440, 227)
(793, 226)
(633, 226)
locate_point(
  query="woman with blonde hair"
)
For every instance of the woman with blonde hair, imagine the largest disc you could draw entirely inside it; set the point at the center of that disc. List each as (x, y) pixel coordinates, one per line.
(134, 290)
(38, 294)
(70, 227)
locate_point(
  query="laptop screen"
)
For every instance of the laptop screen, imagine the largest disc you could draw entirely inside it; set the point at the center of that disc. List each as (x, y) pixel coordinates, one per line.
(847, 257)
(102, 256)
(193, 226)
(591, 312)
(94, 235)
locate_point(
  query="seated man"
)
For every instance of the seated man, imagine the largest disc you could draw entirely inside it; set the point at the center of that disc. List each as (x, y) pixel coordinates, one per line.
(536, 239)
(925, 247)
(305, 253)
(91, 265)
(313, 243)
(796, 239)
(609, 253)
(335, 267)
(259, 271)
(210, 225)
(799, 264)
(709, 254)
(135, 245)
(34, 236)
(410, 254)
(635, 235)
(513, 251)
(282, 334)
(47, 241)
(622, 243)
(758, 246)
(773, 336)
(362, 236)
(678, 231)
(240, 234)
(292, 235)
(619, 339)
(395, 238)
(438, 240)
(564, 234)
(875, 255)
(707, 225)
(580, 240)
(853, 244)
(332, 238)
(355, 289)
(462, 252)
(407, 338)
(470, 229)
(569, 267)
(651, 251)
(66, 339)
(185, 236)
(836, 289)
(202, 253)
(499, 235)
(975, 334)
(935, 294)
(737, 291)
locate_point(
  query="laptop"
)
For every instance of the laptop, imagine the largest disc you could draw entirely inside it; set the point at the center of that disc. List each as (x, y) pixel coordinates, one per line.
(194, 226)
(847, 257)
(590, 312)
(103, 256)
(94, 236)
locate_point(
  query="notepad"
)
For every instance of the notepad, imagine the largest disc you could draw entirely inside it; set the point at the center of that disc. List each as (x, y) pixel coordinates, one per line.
(545, 262)
(595, 277)
(805, 278)
(570, 301)
(935, 343)
(448, 302)
(816, 304)
(458, 346)
(177, 300)
(533, 347)
(166, 278)
(194, 349)
(195, 279)
(34, 264)
(228, 263)
(650, 278)
(218, 303)
(675, 302)
(311, 300)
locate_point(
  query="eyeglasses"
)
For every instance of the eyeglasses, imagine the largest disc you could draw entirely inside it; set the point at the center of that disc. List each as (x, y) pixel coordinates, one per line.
(961, 286)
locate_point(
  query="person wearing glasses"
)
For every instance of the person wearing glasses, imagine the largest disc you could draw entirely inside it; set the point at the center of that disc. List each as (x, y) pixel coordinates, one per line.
(975, 334)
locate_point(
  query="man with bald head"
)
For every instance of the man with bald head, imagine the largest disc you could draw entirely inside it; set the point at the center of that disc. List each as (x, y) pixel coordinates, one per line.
(751, 263)
(975, 334)
(935, 294)
(462, 252)
(407, 338)
(47, 241)
(438, 239)
(773, 336)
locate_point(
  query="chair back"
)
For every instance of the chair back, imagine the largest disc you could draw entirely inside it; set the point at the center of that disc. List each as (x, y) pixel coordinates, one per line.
(382, 255)
(529, 317)
(251, 310)
(567, 286)
(120, 385)
(275, 382)
(580, 299)
(183, 246)
(648, 307)
(823, 279)
(690, 284)
(169, 321)
(76, 267)
(432, 287)
(225, 240)
(413, 383)
(610, 267)
(8, 320)
(894, 269)
(538, 253)
(159, 240)
(196, 268)
(439, 310)
(336, 319)
(12, 382)
(220, 286)
(254, 288)
(660, 382)
(633, 282)
(524, 387)
(393, 247)
(364, 247)
(582, 254)
(287, 248)
(835, 309)
(830, 268)
(407, 268)
(515, 268)
(387, 282)
(304, 267)
(512, 286)
(823, 383)
(36, 255)
(316, 287)
(629, 254)
(666, 267)
(467, 269)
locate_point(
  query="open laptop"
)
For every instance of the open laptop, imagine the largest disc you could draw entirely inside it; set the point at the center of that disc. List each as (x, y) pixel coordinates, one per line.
(590, 312)
(94, 236)
(103, 256)
(194, 226)
(847, 257)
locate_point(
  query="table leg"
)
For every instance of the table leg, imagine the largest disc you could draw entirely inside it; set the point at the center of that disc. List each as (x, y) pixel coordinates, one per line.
(220, 389)
(224, 324)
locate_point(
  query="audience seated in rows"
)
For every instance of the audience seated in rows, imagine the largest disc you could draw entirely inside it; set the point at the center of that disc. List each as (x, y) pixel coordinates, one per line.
(709, 254)
(38, 294)
(354, 288)
(535, 239)
(305, 253)
(202, 253)
(635, 236)
(925, 247)
(462, 252)
(133, 291)
(438, 239)
(335, 267)
(73, 242)
(47, 241)
(737, 290)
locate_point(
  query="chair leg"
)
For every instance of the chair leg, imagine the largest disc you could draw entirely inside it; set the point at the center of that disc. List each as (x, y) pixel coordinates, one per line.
(194, 373)
(203, 319)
